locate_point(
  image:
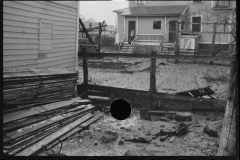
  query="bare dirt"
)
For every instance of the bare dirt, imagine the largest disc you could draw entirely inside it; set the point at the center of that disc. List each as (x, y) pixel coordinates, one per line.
(171, 78)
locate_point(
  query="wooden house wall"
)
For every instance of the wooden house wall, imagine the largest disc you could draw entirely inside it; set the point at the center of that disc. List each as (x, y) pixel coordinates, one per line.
(21, 34)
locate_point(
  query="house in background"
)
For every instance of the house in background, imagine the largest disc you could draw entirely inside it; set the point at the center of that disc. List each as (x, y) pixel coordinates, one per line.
(150, 22)
(40, 34)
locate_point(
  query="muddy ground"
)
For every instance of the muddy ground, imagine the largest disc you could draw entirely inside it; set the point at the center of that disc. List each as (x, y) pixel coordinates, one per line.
(171, 78)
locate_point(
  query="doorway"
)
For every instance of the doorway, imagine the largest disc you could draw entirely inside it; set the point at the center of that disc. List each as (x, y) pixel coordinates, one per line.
(172, 31)
(131, 30)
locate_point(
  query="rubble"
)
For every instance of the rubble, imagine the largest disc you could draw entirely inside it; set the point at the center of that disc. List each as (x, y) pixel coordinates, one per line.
(210, 130)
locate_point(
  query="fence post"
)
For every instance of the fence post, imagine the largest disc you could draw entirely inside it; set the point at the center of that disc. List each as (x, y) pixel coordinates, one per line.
(153, 77)
(85, 74)
(177, 38)
(213, 38)
(99, 39)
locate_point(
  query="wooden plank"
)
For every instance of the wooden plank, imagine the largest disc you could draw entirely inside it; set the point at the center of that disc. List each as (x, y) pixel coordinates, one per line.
(46, 36)
(64, 36)
(58, 45)
(53, 136)
(67, 3)
(25, 19)
(35, 7)
(20, 29)
(20, 41)
(153, 73)
(7, 22)
(47, 30)
(35, 51)
(79, 110)
(19, 57)
(65, 32)
(39, 109)
(56, 58)
(49, 7)
(161, 112)
(77, 129)
(21, 12)
(137, 92)
(49, 42)
(20, 46)
(32, 64)
(58, 6)
(19, 35)
(47, 47)
(56, 41)
(63, 28)
(213, 38)
(183, 57)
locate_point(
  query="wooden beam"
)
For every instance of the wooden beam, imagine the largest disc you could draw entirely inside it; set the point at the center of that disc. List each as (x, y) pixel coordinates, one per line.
(85, 31)
(153, 73)
(177, 38)
(28, 151)
(75, 112)
(180, 57)
(213, 38)
(40, 109)
(77, 129)
(99, 38)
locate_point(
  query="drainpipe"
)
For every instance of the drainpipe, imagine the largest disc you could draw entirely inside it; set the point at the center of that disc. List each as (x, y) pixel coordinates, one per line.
(124, 27)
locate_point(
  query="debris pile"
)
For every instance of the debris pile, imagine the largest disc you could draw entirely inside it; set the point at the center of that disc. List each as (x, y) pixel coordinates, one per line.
(31, 124)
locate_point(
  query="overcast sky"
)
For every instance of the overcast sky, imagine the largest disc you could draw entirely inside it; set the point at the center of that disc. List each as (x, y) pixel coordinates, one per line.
(102, 10)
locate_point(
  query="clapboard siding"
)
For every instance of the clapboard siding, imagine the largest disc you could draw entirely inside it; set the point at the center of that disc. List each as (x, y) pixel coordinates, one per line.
(59, 64)
(39, 61)
(21, 34)
(34, 51)
(34, 8)
(21, 12)
(48, 7)
(19, 18)
(15, 23)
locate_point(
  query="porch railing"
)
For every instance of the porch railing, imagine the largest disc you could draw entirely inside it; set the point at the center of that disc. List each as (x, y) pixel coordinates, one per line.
(121, 41)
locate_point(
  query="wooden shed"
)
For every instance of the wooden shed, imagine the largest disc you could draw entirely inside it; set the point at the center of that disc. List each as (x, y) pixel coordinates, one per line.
(40, 34)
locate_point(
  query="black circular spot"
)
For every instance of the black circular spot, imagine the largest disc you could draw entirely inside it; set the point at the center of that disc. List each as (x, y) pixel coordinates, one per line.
(120, 109)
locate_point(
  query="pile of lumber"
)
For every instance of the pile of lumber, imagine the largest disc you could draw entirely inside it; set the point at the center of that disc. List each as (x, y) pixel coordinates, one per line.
(40, 108)
(28, 130)
(28, 90)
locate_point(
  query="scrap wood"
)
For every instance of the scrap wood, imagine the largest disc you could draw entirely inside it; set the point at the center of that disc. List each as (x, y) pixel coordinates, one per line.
(36, 110)
(28, 151)
(80, 127)
(60, 119)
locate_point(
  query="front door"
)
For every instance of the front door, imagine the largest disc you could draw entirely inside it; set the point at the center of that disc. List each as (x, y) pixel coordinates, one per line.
(172, 31)
(131, 30)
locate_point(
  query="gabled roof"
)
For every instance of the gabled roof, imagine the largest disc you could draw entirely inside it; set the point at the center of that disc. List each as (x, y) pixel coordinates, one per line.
(119, 10)
(155, 11)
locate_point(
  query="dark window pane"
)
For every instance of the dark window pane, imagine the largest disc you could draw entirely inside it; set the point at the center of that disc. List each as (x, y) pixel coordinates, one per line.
(156, 24)
(196, 27)
(196, 19)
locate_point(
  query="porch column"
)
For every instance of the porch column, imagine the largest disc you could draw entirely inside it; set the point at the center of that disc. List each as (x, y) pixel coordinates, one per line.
(124, 27)
(137, 27)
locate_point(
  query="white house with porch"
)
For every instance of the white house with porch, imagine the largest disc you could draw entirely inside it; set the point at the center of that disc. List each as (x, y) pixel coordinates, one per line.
(152, 22)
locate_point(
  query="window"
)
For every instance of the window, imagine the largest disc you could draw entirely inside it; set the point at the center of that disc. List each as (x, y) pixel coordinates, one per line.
(196, 24)
(222, 4)
(182, 24)
(140, 2)
(156, 24)
(45, 36)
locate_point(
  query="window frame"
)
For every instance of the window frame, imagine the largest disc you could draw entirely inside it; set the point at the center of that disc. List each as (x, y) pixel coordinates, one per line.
(143, 2)
(196, 23)
(160, 24)
(40, 29)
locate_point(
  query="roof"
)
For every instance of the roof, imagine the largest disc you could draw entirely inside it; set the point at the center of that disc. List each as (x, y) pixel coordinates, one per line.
(120, 10)
(155, 11)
